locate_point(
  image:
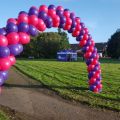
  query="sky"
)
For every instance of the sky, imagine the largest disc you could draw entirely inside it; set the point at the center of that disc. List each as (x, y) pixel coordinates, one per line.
(101, 17)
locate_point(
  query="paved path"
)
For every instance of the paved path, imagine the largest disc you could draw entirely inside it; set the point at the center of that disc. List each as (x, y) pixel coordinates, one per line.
(18, 95)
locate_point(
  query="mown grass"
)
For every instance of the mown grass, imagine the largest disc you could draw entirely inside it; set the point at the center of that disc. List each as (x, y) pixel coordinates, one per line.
(3, 116)
(70, 80)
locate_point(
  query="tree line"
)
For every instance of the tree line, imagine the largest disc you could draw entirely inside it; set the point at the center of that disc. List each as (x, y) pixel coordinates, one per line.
(113, 45)
(46, 44)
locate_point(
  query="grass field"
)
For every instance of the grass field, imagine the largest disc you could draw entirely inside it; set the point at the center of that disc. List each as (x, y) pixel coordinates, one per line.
(70, 80)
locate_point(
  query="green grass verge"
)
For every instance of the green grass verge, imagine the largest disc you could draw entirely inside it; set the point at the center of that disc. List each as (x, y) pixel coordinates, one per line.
(70, 80)
(3, 116)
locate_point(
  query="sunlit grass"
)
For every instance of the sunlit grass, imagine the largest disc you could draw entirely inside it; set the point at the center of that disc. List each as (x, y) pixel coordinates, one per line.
(70, 80)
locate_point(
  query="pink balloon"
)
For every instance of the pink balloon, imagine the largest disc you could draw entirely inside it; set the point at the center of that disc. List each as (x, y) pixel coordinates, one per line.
(86, 30)
(33, 20)
(13, 38)
(56, 19)
(78, 27)
(43, 8)
(51, 13)
(66, 14)
(23, 38)
(22, 18)
(96, 90)
(0, 89)
(12, 59)
(3, 40)
(75, 33)
(93, 43)
(73, 13)
(5, 64)
(41, 25)
(60, 7)
(99, 86)
(67, 27)
(78, 20)
(56, 24)
(68, 21)
(12, 20)
(82, 43)
(34, 7)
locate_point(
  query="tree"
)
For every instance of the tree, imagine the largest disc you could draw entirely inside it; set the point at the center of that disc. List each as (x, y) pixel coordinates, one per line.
(45, 45)
(113, 47)
(64, 43)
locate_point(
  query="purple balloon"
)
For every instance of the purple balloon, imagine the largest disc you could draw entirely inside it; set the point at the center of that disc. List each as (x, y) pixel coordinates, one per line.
(4, 73)
(99, 79)
(89, 37)
(71, 30)
(74, 24)
(42, 15)
(33, 11)
(3, 32)
(82, 25)
(88, 61)
(20, 47)
(88, 43)
(82, 32)
(4, 52)
(95, 68)
(92, 87)
(99, 90)
(23, 27)
(61, 25)
(59, 13)
(96, 83)
(33, 31)
(50, 25)
(62, 19)
(51, 7)
(98, 64)
(1, 80)
(92, 73)
(84, 49)
(66, 10)
(95, 50)
(93, 55)
(11, 27)
(14, 49)
(48, 21)
(79, 37)
(72, 16)
(23, 12)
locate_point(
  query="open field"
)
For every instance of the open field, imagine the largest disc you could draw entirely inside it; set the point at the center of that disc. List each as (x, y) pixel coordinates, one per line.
(70, 80)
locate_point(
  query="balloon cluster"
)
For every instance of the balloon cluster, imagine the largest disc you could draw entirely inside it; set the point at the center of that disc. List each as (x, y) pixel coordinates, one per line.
(17, 32)
(91, 56)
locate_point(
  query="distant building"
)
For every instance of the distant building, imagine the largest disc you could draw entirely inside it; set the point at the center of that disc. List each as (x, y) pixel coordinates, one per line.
(101, 49)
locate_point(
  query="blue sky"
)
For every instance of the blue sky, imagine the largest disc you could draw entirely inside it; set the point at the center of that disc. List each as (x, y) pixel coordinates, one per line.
(101, 17)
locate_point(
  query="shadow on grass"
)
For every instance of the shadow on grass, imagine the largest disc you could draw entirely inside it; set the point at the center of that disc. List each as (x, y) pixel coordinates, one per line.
(79, 59)
(43, 86)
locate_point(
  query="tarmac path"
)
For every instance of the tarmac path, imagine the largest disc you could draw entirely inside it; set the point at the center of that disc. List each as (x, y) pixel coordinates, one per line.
(21, 93)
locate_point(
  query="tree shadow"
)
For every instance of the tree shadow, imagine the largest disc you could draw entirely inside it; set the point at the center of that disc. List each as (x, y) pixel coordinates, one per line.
(44, 86)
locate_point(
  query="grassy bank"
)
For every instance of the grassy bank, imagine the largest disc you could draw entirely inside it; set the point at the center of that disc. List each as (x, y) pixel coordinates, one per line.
(70, 80)
(3, 116)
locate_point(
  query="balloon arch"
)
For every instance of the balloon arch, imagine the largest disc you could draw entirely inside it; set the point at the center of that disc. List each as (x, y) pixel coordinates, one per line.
(18, 31)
